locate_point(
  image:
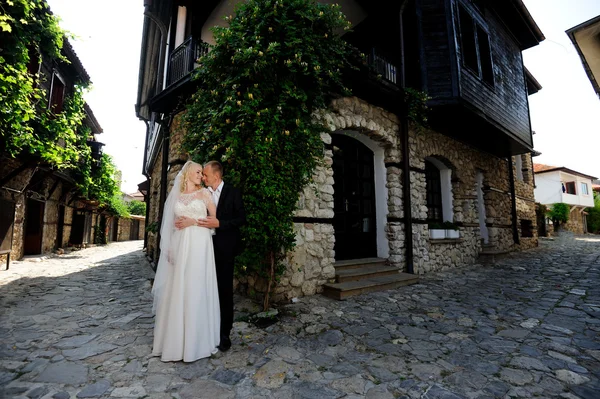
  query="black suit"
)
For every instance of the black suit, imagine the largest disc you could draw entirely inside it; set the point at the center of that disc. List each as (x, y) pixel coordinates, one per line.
(227, 243)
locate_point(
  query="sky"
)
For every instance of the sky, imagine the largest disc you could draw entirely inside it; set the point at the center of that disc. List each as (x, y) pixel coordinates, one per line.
(565, 114)
(108, 35)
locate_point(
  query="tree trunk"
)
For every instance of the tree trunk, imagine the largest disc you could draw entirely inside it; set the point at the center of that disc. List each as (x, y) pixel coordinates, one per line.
(270, 282)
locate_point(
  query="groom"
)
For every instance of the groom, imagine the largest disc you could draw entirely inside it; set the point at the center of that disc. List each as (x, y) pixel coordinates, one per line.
(227, 240)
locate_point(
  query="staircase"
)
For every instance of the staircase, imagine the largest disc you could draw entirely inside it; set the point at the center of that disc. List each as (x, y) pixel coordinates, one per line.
(359, 276)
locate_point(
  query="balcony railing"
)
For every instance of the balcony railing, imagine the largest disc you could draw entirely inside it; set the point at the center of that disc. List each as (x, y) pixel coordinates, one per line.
(183, 59)
(383, 67)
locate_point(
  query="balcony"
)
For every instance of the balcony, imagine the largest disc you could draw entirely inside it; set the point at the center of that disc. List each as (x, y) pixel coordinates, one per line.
(383, 67)
(578, 200)
(181, 63)
(183, 59)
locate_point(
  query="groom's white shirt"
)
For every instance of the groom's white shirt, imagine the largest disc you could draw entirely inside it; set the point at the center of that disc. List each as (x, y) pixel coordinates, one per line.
(216, 194)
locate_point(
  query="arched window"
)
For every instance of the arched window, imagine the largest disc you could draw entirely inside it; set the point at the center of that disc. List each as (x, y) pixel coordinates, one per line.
(439, 191)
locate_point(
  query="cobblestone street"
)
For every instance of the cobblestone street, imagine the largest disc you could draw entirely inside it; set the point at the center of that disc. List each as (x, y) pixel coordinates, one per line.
(80, 325)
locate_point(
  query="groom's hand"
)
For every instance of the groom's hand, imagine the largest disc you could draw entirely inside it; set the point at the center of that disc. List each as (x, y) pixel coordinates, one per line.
(210, 222)
(182, 222)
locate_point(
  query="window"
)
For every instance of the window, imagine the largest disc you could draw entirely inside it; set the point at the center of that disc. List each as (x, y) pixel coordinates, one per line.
(570, 188)
(57, 94)
(433, 185)
(526, 228)
(33, 66)
(584, 189)
(475, 46)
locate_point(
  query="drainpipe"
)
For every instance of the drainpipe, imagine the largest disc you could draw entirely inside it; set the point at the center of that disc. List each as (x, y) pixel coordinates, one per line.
(163, 186)
(145, 173)
(404, 142)
(511, 179)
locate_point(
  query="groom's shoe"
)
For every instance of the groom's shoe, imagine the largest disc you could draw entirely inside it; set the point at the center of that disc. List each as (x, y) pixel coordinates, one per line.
(225, 344)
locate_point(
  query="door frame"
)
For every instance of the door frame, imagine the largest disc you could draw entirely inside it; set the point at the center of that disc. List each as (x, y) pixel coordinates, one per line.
(381, 191)
(27, 246)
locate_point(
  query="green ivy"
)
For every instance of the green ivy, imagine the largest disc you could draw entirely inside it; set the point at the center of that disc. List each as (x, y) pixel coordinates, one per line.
(103, 187)
(269, 71)
(27, 126)
(137, 208)
(415, 103)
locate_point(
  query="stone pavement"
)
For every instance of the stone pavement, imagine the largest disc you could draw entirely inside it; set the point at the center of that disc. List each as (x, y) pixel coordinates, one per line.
(80, 326)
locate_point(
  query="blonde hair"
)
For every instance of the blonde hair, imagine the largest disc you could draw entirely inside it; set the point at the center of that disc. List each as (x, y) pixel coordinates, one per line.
(184, 174)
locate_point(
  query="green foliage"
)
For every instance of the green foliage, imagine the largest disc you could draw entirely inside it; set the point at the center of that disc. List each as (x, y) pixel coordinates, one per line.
(137, 208)
(593, 217)
(559, 213)
(103, 187)
(152, 227)
(99, 235)
(117, 206)
(270, 70)
(593, 220)
(27, 125)
(416, 109)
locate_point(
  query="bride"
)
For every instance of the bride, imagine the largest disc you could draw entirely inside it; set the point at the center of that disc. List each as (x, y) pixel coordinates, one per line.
(186, 298)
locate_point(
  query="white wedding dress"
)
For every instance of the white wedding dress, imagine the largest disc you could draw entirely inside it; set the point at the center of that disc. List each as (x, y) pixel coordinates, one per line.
(188, 319)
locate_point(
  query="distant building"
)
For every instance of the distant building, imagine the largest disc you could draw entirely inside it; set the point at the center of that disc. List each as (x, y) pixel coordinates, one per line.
(586, 39)
(558, 184)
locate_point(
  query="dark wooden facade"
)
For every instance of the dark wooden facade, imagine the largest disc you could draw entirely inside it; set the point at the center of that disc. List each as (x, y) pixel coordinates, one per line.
(465, 54)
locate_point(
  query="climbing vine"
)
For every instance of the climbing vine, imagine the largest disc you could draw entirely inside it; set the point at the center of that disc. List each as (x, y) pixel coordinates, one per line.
(28, 32)
(269, 71)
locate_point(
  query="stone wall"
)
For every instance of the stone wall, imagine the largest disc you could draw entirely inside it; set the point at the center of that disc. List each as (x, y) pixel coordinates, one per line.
(51, 191)
(575, 224)
(311, 264)
(177, 157)
(124, 229)
(153, 211)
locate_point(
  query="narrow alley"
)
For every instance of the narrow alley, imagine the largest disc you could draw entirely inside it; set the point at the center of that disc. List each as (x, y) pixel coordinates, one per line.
(80, 326)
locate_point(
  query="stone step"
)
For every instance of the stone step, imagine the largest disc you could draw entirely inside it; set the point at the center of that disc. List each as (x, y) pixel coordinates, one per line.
(491, 255)
(365, 272)
(345, 290)
(358, 263)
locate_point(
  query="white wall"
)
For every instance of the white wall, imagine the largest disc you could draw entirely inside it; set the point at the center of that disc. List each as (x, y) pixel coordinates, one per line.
(579, 198)
(548, 189)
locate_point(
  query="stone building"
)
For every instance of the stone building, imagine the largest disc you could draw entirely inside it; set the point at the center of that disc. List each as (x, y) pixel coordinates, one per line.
(40, 209)
(557, 184)
(386, 184)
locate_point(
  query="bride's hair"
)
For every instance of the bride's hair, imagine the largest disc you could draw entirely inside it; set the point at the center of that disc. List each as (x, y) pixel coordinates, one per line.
(184, 174)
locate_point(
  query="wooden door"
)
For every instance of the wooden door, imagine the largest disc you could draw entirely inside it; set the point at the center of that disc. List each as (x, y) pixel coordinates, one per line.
(34, 221)
(354, 199)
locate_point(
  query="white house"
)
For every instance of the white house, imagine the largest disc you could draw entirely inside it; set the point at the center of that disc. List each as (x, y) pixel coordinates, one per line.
(555, 184)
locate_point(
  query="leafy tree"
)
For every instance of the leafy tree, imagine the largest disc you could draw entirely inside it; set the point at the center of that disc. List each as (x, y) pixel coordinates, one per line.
(593, 217)
(275, 65)
(559, 213)
(136, 208)
(103, 187)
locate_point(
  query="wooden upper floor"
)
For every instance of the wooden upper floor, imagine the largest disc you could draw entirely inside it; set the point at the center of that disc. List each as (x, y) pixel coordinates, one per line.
(465, 54)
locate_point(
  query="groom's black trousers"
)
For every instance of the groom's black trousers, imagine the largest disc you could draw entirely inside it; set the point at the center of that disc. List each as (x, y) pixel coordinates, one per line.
(224, 263)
